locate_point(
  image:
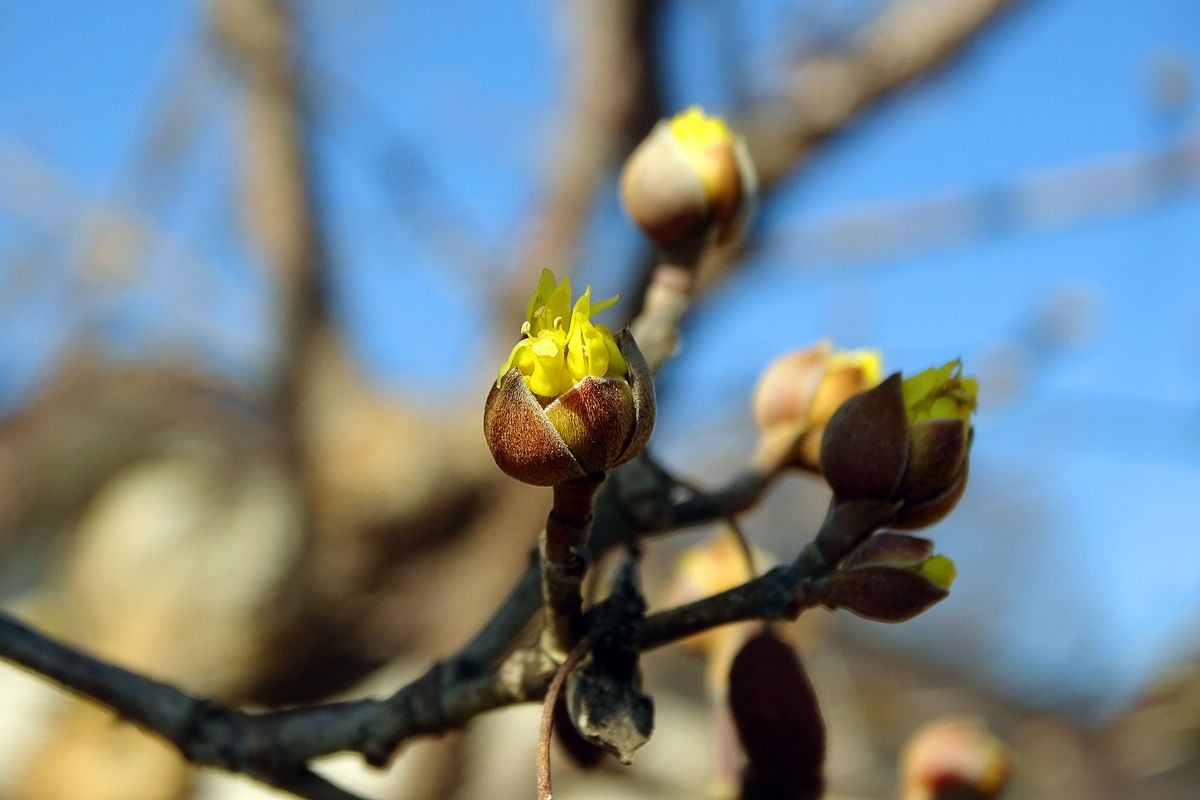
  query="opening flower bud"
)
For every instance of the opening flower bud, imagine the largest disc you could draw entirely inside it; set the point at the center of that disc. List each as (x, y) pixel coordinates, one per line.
(938, 403)
(690, 181)
(572, 399)
(904, 440)
(798, 393)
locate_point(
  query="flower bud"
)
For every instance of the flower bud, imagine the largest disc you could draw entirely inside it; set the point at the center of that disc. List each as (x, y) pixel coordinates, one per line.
(689, 181)
(572, 399)
(954, 758)
(798, 393)
(890, 592)
(939, 403)
(904, 441)
(778, 721)
(890, 577)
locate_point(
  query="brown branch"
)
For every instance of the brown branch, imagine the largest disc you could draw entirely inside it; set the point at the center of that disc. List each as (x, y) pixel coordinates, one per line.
(278, 197)
(827, 91)
(200, 729)
(275, 747)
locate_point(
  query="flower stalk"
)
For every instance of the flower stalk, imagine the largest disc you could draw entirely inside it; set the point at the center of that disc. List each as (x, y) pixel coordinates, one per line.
(563, 548)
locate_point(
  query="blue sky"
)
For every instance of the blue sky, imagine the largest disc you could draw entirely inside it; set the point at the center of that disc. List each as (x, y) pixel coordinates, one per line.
(1073, 527)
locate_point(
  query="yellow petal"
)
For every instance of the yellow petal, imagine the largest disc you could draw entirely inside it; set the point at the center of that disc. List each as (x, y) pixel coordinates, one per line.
(586, 353)
(940, 393)
(869, 362)
(694, 129)
(541, 295)
(616, 362)
(562, 346)
(601, 305)
(583, 306)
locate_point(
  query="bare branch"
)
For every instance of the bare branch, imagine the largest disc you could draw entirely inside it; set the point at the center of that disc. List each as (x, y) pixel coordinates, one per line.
(825, 92)
(200, 729)
(275, 747)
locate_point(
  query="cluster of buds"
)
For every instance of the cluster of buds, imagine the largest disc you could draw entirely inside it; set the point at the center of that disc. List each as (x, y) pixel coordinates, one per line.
(904, 441)
(690, 182)
(572, 399)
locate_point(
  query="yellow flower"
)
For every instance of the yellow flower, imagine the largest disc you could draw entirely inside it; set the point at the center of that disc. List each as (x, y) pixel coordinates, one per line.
(562, 346)
(572, 399)
(940, 393)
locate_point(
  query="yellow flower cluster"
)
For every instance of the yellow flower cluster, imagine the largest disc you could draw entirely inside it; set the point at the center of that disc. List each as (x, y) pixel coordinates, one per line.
(562, 346)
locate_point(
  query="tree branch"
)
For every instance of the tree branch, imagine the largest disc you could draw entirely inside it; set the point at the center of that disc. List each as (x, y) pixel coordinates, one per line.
(826, 92)
(275, 747)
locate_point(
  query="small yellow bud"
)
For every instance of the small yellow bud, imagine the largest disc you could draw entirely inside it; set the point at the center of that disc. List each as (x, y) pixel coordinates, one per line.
(689, 182)
(940, 393)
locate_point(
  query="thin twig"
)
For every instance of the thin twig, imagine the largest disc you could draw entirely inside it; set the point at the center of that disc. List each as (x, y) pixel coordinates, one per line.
(547, 725)
(667, 299)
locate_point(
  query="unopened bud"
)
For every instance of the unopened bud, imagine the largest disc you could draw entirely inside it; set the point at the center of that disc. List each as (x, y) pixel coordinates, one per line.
(778, 721)
(890, 577)
(954, 758)
(865, 447)
(689, 181)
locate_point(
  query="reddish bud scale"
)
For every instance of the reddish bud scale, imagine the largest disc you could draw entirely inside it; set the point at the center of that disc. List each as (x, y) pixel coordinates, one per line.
(865, 447)
(882, 593)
